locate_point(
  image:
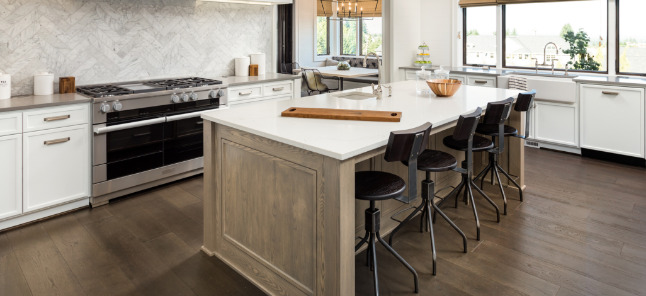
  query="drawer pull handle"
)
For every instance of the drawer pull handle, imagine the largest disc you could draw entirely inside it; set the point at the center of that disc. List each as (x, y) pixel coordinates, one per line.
(55, 118)
(245, 93)
(141, 135)
(57, 141)
(481, 81)
(278, 88)
(612, 93)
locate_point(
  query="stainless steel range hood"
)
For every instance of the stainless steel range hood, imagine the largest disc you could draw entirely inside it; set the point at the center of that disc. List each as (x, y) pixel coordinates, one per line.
(256, 2)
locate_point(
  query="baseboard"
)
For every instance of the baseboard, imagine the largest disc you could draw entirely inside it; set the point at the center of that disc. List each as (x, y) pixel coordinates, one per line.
(47, 213)
(622, 159)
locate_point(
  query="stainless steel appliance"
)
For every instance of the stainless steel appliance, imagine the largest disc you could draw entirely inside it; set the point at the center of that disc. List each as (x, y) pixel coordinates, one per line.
(147, 133)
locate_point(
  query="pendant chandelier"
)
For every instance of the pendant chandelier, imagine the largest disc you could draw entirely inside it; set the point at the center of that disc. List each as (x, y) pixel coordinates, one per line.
(349, 9)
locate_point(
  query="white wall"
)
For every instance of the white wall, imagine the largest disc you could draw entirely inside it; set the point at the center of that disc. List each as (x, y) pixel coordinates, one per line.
(403, 35)
(436, 26)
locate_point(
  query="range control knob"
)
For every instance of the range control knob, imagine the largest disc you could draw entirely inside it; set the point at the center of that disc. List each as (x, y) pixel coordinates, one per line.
(174, 98)
(193, 96)
(117, 106)
(214, 94)
(184, 97)
(105, 108)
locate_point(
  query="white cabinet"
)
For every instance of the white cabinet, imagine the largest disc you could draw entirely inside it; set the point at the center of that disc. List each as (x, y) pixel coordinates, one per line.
(56, 166)
(10, 175)
(248, 93)
(555, 123)
(481, 81)
(612, 119)
(10, 123)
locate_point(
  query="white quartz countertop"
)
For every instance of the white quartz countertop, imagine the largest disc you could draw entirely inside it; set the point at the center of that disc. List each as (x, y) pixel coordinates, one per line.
(268, 77)
(344, 139)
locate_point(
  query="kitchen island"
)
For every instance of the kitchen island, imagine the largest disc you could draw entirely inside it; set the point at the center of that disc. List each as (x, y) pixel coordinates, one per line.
(279, 204)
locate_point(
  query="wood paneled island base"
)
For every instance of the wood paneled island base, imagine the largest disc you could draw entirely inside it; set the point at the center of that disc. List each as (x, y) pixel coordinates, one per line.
(286, 217)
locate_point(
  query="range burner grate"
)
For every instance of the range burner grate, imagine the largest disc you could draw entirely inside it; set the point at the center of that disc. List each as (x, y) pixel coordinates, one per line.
(100, 91)
(183, 82)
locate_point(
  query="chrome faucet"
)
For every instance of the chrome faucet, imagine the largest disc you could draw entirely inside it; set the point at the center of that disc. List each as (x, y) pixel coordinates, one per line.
(536, 64)
(545, 53)
(553, 65)
(365, 64)
(566, 68)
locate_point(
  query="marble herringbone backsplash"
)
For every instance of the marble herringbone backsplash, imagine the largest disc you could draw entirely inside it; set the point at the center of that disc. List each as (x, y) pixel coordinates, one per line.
(121, 40)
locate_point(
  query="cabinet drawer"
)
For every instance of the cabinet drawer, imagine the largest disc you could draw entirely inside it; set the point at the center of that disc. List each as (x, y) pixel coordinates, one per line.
(411, 75)
(245, 93)
(55, 117)
(481, 81)
(10, 123)
(612, 119)
(56, 166)
(276, 89)
(462, 79)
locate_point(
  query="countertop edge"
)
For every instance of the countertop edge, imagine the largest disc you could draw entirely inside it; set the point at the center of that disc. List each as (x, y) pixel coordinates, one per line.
(610, 83)
(260, 80)
(27, 106)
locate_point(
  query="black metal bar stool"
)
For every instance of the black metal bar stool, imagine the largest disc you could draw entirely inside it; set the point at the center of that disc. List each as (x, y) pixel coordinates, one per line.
(493, 125)
(464, 139)
(374, 186)
(431, 161)
(490, 127)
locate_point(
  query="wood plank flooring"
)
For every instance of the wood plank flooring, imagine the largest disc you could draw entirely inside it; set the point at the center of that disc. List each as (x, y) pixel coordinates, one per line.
(580, 231)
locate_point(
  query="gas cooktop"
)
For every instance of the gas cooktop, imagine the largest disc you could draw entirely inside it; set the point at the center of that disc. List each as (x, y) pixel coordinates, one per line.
(112, 90)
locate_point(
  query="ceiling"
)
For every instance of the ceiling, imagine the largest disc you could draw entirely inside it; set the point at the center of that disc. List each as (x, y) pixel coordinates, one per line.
(371, 8)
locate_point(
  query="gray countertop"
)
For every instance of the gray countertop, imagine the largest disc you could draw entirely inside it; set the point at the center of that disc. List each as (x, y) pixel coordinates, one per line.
(613, 80)
(268, 77)
(465, 70)
(30, 102)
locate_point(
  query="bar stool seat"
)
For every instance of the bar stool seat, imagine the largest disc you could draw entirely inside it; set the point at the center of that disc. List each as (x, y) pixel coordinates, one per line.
(492, 130)
(375, 185)
(479, 143)
(435, 161)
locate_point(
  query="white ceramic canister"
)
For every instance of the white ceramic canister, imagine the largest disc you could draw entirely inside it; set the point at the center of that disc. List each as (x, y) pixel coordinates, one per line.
(5, 86)
(242, 66)
(260, 60)
(43, 84)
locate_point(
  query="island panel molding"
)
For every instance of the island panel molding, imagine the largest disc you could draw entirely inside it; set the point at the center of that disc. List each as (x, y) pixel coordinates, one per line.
(106, 41)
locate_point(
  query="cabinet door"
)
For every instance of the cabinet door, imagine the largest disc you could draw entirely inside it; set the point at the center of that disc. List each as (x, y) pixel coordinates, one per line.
(462, 78)
(10, 176)
(56, 166)
(556, 123)
(612, 119)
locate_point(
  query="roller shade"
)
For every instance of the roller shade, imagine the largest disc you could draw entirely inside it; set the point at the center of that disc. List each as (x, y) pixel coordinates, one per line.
(472, 3)
(371, 8)
(533, 1)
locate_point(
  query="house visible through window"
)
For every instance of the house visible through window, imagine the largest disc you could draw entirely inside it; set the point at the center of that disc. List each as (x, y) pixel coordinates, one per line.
(631, 37)
(322, 35)
(480, 37)
(571, 32)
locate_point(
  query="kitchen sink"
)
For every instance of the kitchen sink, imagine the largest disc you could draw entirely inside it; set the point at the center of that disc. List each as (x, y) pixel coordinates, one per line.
(544, 74)
(550, 88)
(356, 96)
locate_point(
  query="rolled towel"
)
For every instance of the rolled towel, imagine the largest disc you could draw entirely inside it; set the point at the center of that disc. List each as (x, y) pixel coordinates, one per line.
(517, 82)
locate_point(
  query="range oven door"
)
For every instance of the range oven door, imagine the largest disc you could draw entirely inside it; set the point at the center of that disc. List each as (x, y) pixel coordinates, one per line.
(183, 138)
(128, 148)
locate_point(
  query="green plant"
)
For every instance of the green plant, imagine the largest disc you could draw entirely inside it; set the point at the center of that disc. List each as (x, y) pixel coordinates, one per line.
(578, 51)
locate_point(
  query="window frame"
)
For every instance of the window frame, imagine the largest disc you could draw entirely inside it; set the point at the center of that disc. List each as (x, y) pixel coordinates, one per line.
(464, 43)
(504, 44)
(617, 46)
(327, 39)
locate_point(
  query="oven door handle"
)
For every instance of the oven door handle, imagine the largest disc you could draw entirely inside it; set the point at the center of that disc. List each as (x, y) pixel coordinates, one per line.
(186, 115)
(113, 128)
(193, 114)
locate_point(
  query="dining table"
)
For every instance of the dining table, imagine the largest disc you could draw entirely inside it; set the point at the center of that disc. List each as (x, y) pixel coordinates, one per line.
(354, 72)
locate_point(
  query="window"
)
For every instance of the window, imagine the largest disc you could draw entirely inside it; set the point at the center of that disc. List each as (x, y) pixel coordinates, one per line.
(631, 37)
(349, 37)
(371, 35)
(480, 36)
(573, 32)
(322, 35)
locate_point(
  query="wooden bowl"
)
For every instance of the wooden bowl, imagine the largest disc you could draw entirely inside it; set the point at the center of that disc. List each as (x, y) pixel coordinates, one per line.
(444, 87)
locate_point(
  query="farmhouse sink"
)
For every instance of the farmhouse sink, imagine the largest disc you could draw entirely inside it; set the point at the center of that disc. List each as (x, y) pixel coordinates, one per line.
(356, 96)
(544, 74)
(555, 89)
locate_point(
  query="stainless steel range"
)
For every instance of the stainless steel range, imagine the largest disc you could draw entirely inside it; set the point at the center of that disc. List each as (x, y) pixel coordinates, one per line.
(147, 133)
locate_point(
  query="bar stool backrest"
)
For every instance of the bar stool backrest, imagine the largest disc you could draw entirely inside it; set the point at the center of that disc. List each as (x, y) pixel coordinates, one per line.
(524, 102)
(498, 112)
(466, 126)
(406, 145)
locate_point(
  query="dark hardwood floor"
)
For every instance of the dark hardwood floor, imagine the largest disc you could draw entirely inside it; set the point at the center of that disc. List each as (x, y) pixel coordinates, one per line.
(580, 231)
